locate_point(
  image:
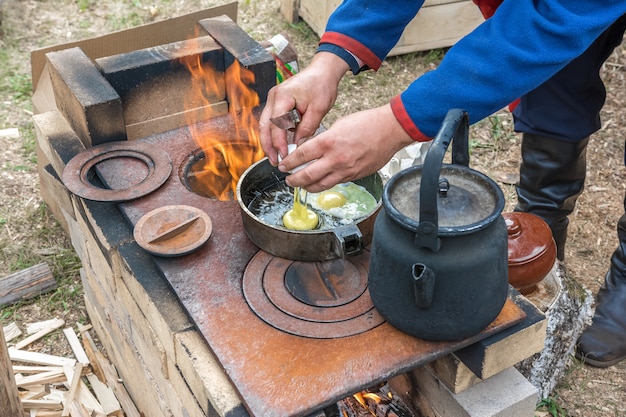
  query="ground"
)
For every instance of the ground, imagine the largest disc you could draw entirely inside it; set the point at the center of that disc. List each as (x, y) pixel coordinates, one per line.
(29, 234)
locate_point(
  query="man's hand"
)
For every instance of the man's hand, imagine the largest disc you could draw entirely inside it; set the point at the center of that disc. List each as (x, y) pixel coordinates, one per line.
(312, 92)
(355, 146)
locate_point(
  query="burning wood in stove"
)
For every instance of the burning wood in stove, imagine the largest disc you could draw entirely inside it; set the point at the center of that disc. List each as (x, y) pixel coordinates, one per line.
(378, 401)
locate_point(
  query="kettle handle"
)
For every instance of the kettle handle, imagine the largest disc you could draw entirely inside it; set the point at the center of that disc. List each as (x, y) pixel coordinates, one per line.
(455, 129)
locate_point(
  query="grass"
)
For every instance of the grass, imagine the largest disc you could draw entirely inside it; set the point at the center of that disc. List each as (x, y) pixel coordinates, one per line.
(551, 405)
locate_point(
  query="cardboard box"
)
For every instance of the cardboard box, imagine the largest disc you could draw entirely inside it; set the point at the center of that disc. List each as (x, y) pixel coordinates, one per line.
(439, 24)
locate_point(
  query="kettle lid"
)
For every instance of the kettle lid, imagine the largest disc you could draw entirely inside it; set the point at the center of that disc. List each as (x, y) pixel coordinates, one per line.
(467, 200)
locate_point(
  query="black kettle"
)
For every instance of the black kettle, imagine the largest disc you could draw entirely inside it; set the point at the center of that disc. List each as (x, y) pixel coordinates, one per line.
(438, 263)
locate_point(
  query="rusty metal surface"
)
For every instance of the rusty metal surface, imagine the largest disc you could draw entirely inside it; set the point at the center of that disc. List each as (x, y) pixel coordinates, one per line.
(275, 372)
(154, 168)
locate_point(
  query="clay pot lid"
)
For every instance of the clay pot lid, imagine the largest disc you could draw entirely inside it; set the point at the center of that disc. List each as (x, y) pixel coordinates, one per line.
(529, 237)
(173, 230)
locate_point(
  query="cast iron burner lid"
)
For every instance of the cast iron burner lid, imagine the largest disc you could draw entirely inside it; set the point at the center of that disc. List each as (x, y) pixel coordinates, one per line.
(320, 300)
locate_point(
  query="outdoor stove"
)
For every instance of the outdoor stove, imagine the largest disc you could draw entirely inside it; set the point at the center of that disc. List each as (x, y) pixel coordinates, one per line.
(290, 345)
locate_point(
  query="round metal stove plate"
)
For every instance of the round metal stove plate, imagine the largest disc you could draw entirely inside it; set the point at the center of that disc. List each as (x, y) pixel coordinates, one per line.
(308, 311)
(78, 174)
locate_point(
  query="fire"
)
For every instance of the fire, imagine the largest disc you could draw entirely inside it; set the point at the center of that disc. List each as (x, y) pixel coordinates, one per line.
(225, 158)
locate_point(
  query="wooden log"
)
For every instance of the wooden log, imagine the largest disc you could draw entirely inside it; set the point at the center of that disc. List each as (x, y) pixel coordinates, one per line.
(26, 284)
(9, 398)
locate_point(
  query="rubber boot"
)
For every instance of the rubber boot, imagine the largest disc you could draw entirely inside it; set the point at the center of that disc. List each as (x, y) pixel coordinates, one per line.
(604, 342)
(552, 176)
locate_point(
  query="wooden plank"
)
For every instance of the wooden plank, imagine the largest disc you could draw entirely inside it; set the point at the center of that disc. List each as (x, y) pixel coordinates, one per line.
(39, 358)
(25, 284)
(42, 404)
(496, 353)
(73, 376)
(9, 399)
(25, 369)
(52, 326)
(79, 352)
(41, 378)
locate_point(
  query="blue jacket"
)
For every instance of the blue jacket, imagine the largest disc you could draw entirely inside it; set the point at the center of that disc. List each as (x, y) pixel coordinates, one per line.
(522, 45)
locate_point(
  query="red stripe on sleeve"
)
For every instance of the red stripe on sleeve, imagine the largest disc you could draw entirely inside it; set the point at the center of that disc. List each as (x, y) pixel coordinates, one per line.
(354, 46)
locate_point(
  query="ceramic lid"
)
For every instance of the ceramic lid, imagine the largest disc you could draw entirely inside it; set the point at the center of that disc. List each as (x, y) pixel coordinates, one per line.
(529, 237)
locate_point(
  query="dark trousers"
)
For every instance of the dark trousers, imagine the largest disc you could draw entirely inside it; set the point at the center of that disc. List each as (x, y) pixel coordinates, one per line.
(567, 106)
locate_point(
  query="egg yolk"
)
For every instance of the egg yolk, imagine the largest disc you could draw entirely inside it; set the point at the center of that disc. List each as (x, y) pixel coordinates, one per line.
(331, 199)
(300, 217)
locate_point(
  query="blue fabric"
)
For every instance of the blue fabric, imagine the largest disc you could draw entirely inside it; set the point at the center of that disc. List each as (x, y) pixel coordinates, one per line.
(342, 53)
(524, 44)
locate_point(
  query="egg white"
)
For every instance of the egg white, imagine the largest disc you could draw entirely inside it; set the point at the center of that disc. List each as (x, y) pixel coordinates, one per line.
(359, 202)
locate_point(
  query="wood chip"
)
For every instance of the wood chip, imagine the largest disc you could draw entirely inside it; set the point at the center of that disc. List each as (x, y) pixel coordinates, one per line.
(11, 331)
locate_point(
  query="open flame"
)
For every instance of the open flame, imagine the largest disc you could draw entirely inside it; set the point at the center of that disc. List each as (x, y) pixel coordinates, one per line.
(225, 158)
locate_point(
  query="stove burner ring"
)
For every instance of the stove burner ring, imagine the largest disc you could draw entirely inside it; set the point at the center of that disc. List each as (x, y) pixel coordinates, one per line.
(321, 300)
(79, 172)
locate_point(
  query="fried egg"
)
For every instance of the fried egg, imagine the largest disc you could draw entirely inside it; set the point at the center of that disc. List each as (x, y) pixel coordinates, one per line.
(346, 201)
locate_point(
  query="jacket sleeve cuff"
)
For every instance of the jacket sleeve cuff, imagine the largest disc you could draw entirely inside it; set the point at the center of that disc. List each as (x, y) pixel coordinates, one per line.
(353, 47)
(397, 107)
(351, 60)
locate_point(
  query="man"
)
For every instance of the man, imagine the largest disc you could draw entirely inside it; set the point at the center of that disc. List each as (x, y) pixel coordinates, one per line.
(546, 52)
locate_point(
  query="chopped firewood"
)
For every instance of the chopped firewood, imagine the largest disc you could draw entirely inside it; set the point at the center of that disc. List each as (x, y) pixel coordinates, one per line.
(73, 375)
(118, 388)
(35, 394)
(90, 349)
(40, 379)
(41, 333)
(105, 395)
(32, 328)
(44, 413)
(25, 369)
(79, 352)
(42, 405)
(88, 400)
(17, 355)
(26, 284)
(76, 409)
(11, 331)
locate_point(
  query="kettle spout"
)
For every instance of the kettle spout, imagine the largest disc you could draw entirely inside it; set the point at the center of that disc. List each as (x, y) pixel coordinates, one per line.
(423, 285)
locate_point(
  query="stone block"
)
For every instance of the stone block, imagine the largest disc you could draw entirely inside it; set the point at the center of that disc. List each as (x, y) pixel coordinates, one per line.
(506, 394)
(85, 98)
(155, 83)
(240, 46)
